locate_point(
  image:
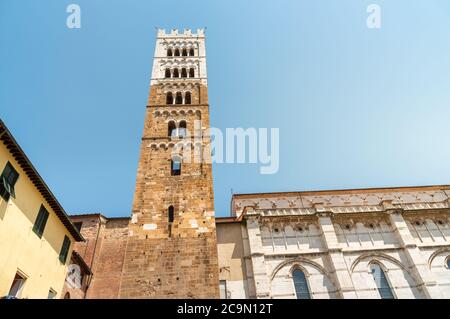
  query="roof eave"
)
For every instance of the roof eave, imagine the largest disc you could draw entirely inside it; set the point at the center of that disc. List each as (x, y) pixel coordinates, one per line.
(19, 155)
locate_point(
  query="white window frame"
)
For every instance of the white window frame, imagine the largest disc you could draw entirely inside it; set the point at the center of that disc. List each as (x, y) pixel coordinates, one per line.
(23, 280)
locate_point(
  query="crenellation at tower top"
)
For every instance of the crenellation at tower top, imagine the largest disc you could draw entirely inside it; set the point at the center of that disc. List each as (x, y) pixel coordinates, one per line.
(175, 33)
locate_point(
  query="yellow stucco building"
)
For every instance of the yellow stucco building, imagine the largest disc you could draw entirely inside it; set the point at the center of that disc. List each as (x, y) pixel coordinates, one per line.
(36, 235)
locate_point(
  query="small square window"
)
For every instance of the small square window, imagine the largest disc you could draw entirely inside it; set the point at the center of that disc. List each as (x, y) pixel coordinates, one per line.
(175, 167)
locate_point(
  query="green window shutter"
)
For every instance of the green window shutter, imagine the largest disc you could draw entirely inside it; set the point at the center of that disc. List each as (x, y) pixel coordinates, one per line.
(12, 176)
(8, 180)
(41, 221)
(7, 171)
(4, 189)
(64, 250)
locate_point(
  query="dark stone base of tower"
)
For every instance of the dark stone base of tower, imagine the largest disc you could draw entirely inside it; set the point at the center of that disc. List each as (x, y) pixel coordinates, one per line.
(171, 268)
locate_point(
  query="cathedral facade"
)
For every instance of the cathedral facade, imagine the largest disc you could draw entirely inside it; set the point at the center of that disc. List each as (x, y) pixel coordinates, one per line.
(368, 243)
(363, 243)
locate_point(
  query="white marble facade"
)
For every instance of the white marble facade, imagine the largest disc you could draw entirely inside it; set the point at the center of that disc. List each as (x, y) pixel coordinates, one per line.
(334, 237)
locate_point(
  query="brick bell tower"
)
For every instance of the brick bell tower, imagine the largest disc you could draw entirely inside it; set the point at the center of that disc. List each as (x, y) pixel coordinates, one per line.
(171, 250)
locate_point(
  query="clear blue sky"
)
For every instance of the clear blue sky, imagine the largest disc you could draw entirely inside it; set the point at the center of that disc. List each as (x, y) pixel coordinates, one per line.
(356, 107)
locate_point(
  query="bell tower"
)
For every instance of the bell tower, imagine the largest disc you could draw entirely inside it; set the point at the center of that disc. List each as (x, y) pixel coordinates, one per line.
(171, 250)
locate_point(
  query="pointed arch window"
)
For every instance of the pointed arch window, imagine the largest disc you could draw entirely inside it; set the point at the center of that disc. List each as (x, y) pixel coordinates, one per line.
(183, 73)
(169, 52)
(301, 284)
(191, 73)
(179, 98)
(171, 214)
(167, 73)
(175, 164)
(176, 74)
(177, 52)
(191, 52)
(383, 286)
(172, 129)
(169, 98)
(187, 98)
(448, 262)
(182, 129)
(184, 52)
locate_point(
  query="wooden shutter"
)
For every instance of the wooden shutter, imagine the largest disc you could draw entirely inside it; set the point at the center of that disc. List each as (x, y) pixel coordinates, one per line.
(64, 250)
(41, 221)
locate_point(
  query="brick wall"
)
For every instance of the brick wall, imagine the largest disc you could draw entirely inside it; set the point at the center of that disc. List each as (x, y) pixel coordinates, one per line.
(104, 252)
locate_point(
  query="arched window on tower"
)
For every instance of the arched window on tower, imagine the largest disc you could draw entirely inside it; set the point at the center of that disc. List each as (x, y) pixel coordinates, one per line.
(383, 286)
(184, 52)
(301, 284)
(183, 73)
(179, 98)
(169, 52)
(169, 98)
(171, 214)
(187, 98)
(67, 295)
(176, 74)
(175, 166)
(182, 129)
(191, 73)
(177, 52)
(167, 73)
(191, 52)
(172, 129)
